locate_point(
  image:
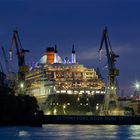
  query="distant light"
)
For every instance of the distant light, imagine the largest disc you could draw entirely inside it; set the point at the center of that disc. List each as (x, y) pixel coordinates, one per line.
(48, 113)
(137, 85)
(63, 91)
(64, 106)
(81, 91)
(21, 85)
(57, 91)
(55, 111)
(97, 91)
(69, 91)
(112, 87)
(97, 106)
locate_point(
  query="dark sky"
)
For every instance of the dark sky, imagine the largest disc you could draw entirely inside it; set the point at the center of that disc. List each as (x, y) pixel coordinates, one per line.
(43, 23)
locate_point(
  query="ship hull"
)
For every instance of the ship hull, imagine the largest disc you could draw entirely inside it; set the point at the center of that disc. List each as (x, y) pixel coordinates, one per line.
(72, 104)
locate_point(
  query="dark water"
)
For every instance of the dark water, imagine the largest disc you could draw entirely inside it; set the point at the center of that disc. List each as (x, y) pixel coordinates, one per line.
(71, 132)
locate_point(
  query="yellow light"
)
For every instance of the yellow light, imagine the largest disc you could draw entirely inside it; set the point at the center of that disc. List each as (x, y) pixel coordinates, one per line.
(47, 113)
(64, 106)
(22, 85)
(63, 91)
(69, 91)
(54, 112)
(112, 87)
(97, 106)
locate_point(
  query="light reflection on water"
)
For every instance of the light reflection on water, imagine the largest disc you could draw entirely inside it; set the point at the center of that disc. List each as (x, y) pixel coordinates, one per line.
(70, 132)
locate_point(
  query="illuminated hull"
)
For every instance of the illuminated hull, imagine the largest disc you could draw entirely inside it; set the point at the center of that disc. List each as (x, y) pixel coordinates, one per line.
(72, 104)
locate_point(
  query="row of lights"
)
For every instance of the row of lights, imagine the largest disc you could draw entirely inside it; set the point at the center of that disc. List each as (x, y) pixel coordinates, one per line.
(67, 104)
(80, 92)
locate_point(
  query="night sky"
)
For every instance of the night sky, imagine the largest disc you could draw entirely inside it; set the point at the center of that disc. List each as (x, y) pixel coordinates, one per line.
(43, 23)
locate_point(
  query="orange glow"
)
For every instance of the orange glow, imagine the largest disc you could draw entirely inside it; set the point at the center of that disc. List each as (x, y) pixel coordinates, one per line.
(50, 57)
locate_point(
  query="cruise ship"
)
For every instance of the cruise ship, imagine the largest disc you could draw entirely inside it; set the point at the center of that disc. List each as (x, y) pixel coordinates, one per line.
(65, 86)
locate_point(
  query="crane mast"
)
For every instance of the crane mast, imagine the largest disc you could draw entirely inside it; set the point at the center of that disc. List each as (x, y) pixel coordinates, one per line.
(111, 101)
(1, 68)
(22, 67)
(6, 60)
(2, 75)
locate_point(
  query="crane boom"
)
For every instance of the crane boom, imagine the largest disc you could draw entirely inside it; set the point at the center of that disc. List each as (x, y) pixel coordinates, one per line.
(20, 51)
(110, 54)
(104, 39)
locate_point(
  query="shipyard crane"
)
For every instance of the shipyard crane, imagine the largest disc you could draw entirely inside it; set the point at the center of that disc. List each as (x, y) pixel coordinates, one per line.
(22, 67)
(110, 97)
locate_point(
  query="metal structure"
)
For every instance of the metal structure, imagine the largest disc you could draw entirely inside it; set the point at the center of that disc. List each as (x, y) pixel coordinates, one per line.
(6, 60)
(111, 101)
(2, 75)
(22, 67)
(1, 68)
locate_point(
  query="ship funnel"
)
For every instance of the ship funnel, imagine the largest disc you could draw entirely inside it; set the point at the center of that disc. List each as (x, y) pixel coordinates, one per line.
(50, 55)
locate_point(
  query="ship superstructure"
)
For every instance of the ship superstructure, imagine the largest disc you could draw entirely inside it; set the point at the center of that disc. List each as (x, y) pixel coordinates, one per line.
(65, 78)
(68, 77)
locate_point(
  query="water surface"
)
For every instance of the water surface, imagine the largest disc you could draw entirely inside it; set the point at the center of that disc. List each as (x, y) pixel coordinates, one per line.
(70, 132)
